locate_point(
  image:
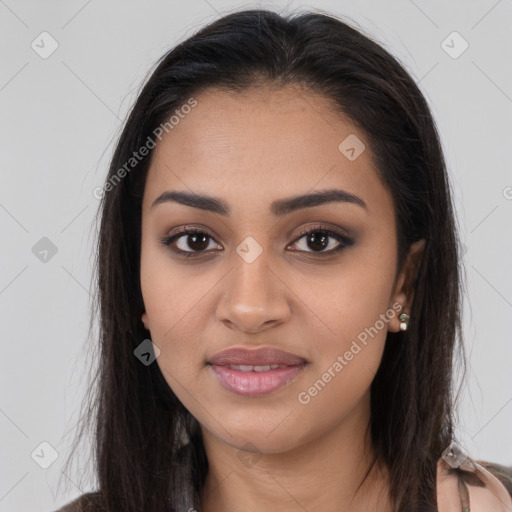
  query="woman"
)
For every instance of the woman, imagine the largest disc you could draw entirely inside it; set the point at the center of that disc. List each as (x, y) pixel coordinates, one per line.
(279, 285)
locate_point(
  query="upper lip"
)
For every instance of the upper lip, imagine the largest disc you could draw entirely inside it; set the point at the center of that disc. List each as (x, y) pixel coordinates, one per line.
(257, 357)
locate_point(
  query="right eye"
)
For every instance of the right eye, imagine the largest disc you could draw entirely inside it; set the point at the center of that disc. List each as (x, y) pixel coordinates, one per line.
(194, 239)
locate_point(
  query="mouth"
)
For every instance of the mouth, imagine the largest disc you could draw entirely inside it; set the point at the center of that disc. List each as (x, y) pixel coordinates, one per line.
(256, 380)
(255, 372)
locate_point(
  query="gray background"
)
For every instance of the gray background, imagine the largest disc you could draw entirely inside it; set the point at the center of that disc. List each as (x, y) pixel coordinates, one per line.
(60, 116)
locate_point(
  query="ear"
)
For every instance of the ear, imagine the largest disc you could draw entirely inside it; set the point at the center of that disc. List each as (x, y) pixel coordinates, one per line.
(404, 288)
(145, 320)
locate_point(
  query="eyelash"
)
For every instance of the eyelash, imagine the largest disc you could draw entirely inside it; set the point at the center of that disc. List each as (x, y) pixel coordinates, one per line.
(344, 241)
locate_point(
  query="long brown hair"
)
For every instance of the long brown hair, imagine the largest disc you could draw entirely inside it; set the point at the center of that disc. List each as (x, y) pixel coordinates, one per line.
(140, 462)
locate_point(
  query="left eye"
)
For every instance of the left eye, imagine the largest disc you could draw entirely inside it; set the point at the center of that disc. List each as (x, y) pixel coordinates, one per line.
(198, 241)
(319, 239)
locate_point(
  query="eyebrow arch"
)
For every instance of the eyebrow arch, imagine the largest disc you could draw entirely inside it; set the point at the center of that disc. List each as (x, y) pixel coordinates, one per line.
(279, 207)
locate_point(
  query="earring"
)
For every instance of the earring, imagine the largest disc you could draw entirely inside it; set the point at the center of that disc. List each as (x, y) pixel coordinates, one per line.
(404, 321)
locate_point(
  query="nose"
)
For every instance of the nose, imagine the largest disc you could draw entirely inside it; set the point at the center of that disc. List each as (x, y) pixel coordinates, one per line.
(254, 297)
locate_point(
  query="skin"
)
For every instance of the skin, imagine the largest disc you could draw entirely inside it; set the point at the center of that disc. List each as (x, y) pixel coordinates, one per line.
(250, 149)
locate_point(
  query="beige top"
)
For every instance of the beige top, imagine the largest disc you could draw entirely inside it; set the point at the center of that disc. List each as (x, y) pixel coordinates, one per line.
(466, 493)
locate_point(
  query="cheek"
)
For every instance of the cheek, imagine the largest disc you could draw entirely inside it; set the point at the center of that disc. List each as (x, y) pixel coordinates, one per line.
(351, 300)
(355, 312)
(175, 304)
(346, 362)
(172, 301)
(171, 293)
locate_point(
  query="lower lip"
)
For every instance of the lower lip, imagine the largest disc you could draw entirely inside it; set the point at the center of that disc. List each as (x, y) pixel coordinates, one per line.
(255, 383)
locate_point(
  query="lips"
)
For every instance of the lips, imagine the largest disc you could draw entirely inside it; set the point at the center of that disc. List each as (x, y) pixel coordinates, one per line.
(255, 383)
(263, 356)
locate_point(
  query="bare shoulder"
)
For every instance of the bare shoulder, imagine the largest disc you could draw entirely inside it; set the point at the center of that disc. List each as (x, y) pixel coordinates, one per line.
(89, 502)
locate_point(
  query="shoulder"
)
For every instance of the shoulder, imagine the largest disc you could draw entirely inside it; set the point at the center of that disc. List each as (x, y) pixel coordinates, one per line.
(89, 502)
(480, 488)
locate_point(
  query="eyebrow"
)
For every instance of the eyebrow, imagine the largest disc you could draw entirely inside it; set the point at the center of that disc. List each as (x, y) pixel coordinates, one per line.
(279, 207)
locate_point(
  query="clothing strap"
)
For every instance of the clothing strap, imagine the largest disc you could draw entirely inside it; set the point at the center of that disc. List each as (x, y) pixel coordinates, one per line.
(474, 489)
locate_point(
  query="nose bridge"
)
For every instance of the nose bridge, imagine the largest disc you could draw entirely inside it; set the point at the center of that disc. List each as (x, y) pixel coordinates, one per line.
(253, 295)
(250, 286)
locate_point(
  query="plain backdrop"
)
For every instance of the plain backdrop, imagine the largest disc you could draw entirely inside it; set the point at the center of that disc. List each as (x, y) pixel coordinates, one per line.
(59, 116)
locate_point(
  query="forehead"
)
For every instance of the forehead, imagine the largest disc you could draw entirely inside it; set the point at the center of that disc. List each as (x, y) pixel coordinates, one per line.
(263, 143)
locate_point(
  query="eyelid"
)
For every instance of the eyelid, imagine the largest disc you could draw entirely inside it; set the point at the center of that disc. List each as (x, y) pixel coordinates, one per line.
(325, 228)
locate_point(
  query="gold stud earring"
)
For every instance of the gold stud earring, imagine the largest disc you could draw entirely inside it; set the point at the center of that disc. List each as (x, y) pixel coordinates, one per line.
(404, 321)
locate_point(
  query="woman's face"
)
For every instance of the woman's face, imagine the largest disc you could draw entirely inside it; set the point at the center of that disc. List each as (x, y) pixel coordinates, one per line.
(253, 280)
